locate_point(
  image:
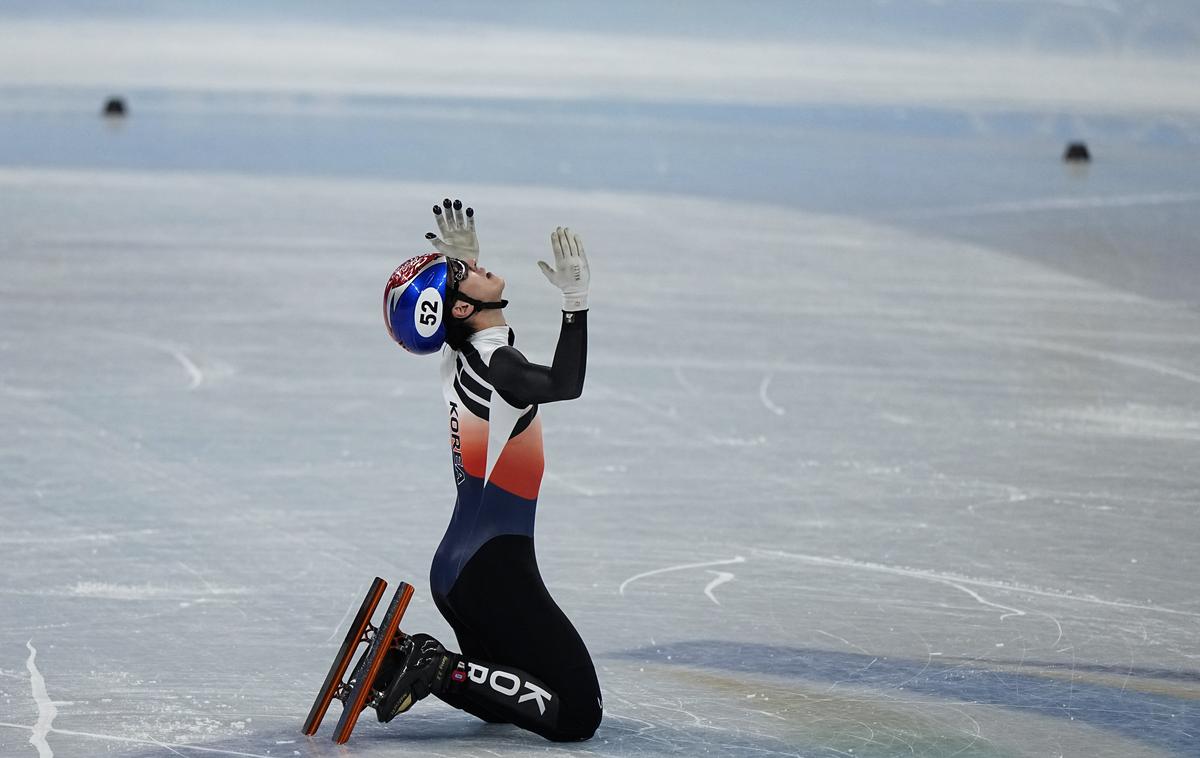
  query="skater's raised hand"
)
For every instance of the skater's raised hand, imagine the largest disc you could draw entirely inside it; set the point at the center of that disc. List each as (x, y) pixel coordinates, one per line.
(570, 273)
(457, 227)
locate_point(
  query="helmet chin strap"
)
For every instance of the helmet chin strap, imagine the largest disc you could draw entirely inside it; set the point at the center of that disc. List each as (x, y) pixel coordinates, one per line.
(479, 304)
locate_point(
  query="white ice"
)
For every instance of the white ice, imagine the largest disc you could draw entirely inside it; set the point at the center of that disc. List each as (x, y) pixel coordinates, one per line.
(211, 446)
(909, 474)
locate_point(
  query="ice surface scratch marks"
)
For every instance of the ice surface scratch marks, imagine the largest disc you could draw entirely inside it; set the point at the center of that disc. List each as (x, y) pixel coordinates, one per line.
(172, 746)
(977, 596)
(687, 385)
(1068, 349)
(844, 640)
(346, 615)
(578, 489)
(722, 577)
(943, 578)
(681, 567)
(196, 376)
(766, 401)
(1101, 355)
(46, 708)
(194, 372)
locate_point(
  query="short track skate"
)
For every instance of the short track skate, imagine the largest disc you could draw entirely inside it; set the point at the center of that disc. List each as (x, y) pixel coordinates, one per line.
(358, 691)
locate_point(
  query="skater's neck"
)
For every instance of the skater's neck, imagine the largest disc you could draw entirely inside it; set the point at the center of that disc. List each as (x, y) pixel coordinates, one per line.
(487, 319)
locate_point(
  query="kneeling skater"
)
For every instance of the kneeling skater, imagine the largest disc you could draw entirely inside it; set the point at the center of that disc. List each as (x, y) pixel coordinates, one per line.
(521, 660)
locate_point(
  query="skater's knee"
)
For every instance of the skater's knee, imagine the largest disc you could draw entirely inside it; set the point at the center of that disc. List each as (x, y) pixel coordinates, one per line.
(577, 724)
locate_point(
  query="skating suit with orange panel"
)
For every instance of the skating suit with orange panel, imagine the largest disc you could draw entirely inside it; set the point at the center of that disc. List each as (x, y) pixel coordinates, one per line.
(492, 394)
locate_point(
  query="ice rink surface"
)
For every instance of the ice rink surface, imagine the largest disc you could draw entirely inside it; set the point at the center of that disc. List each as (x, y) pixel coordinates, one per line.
(856, 471)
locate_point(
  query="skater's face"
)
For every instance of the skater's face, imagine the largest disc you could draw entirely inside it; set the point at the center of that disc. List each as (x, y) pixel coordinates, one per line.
(474, 281)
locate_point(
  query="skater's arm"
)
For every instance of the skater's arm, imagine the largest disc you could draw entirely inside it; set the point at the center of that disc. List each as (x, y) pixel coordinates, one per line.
(522, 383)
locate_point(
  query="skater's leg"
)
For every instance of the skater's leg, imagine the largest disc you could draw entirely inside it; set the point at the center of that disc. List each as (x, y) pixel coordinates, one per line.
(530, 703)
(472, 647)
(499, 598)
(480, 711)
(497, 690)
(563, 714)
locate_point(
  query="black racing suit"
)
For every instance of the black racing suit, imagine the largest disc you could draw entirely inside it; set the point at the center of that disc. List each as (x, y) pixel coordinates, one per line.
(525, 663)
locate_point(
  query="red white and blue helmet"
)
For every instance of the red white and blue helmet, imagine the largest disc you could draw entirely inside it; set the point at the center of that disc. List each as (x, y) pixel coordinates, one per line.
(414, 304)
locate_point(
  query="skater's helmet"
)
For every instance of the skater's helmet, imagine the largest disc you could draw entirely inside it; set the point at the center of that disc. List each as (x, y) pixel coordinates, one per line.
(414, 303)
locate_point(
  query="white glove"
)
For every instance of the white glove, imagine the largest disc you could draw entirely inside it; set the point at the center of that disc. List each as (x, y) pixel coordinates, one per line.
(570, 274)
(458, 238)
